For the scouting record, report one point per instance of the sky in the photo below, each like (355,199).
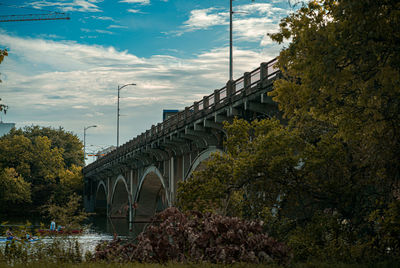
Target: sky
(66,72)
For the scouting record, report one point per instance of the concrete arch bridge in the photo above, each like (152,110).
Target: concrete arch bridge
(140,178)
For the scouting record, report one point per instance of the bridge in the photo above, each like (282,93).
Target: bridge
(140,178)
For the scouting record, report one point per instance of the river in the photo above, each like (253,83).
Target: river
(97,229)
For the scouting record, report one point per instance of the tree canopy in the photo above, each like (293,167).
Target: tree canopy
(327,182)
(33,160)
(68,142)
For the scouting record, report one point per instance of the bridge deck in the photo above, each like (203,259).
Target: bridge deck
(233,92)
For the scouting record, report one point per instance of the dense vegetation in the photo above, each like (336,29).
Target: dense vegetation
(36,164)
(327,182)
(196,237)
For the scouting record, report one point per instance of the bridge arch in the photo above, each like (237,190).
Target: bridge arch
(196,164)
(152,195)
(120,199)
(100,205)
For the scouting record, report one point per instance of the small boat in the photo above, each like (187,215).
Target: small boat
(56,232)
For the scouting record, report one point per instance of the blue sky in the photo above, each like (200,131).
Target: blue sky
(66,73)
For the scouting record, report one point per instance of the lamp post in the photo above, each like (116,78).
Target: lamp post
(84,142)
(231,40)
(119,88)
(230,43)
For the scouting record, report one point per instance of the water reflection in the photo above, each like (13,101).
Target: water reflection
(118,226)
(100,228)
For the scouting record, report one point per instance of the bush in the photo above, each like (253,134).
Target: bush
(196,237)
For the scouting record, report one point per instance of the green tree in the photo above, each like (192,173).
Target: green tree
(341,84)
(35,161)
(342,68)
(41,164)
(331,176)
(69,215)
(72,147)
(13,188)
(259,163)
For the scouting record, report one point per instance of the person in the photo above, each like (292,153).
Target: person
(52,225)
(59,228)
(9,234)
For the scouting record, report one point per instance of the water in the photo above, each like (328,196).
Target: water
(98,229)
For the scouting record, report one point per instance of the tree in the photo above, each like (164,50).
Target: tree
(13,188)
(41,164)
(342,68)
(69,215)
(72,147)
(257,168)
(333,172)
(3,53)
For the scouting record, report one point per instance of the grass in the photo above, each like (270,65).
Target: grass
(387,264)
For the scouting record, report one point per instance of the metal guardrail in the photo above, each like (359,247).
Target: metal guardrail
(249,80)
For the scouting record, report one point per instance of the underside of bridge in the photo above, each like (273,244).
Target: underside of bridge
(101,201)
(120,201)
(151,198)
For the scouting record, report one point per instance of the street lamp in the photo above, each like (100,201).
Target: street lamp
(230,43)
(84,142)
(119,88)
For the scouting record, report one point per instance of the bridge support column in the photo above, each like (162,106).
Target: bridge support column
(131,195)
(108,197)
(171,179)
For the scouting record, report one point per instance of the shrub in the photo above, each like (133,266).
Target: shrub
(196,237)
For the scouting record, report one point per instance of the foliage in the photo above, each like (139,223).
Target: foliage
(69,215)
(58,251)
(196,237)
(70,182)
(341,91)
(328,181)
(40,162)
(259,155)
(13,188)
(342,68)
(3,53)
(385,264)
(68,143)
(303,189)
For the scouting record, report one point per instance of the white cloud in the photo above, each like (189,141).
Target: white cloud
(104,32)
(117,27)
(141,2)
(85,30)
(251,22)
(68,6)
(205,18)
(103,18)
(134,11)
(73,85)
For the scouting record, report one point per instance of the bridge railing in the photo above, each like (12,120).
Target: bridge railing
(197,109)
